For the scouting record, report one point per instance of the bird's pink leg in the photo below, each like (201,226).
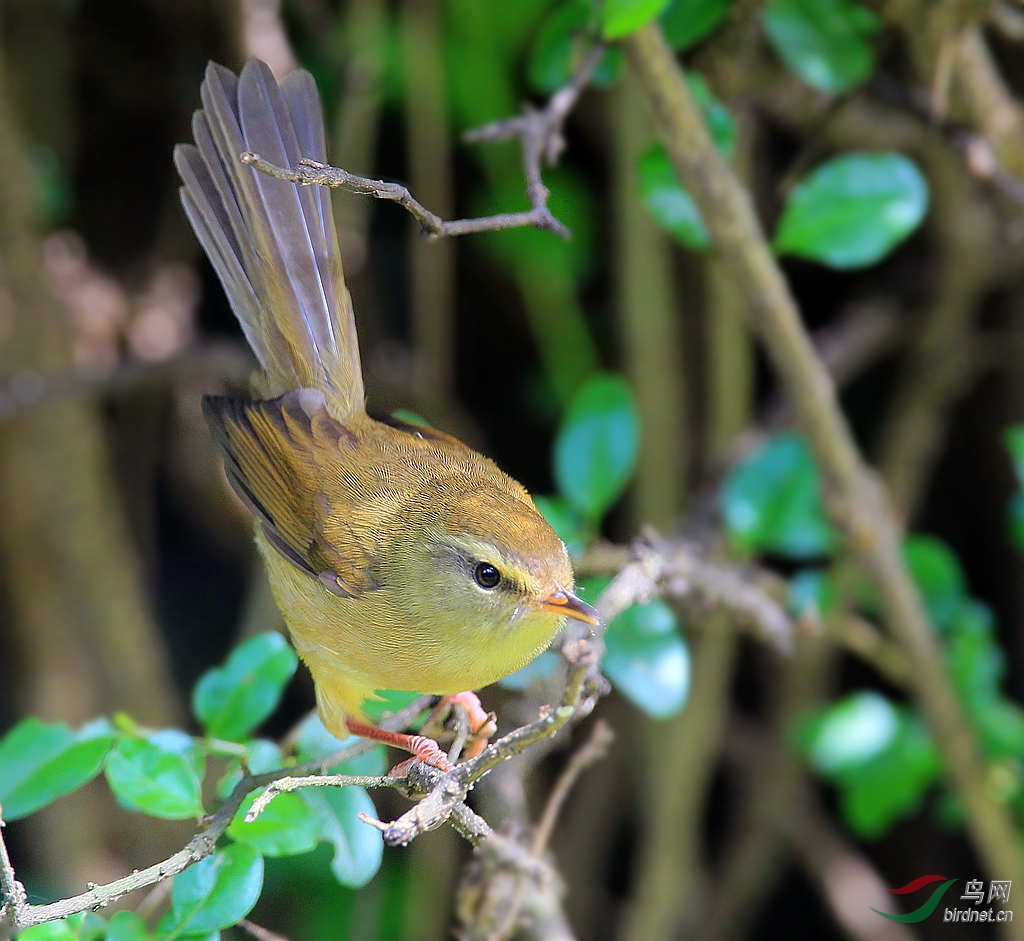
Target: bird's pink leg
(423,748)
(482,724)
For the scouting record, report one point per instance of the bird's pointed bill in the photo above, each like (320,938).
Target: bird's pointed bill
(569,605)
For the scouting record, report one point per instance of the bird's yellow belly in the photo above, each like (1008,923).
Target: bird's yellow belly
(353,647)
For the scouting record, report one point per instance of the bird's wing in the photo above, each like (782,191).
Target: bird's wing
(278,453)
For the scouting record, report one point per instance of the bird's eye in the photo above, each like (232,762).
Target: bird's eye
(486,575)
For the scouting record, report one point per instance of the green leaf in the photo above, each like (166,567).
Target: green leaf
(84,926)
(127,926)
(232,700)
(215,893)
(686,22)
(647,660)
(1015,445)
(812,593)
(1017,520)
(565,521)
(672,206)
(668,202)
(878,755)
(892,785)
(387,701)
(621,17)
(286,827)
(938,576)
(850,732)
(410,417)
(358,848)
(261,755)
(565,37)
(536,670)
(853,210)
(596,446)
(1014,439)
(315,741)
(826,42)
(976,665)
(42,761)
(772,502)
(160,776)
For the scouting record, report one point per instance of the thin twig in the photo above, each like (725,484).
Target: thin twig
(259,932)
(308,172)
(541,131)
(203,844)
(594,749)
(543,142)
(294,782)
(14,896)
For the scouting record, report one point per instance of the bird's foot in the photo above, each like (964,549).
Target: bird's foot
(423,749)
(482,724)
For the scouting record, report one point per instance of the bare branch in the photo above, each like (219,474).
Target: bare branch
(543,142)
(22,915)
(856,501)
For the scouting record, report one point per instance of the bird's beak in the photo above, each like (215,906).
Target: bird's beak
(568,605)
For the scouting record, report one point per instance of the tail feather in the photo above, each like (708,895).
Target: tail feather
(272,243)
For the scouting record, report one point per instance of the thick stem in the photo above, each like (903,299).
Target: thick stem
(856,502)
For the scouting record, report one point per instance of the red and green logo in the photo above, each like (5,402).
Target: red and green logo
(926,908)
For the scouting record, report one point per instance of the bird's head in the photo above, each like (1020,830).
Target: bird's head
(493,571)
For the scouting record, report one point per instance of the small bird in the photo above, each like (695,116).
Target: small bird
(399,557)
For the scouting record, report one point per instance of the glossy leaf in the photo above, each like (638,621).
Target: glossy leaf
(596,447)
(1015,445)
(1014,439)
(232,700)
(387,701)
(358,848)
(127,926)
(215,893)
(686,22)
(316,742)
(160,776)
(850,732)
(812,593)
(562,41)
(668,202)
(892,785)
(671,206)
(772,502)
(286,827)
(261,755)
(977,665)
(84,926)
(621,17)
(877,754)
(938,576)
(1017,520)
(853,210)
(41,761)
(647,659)
(826,42)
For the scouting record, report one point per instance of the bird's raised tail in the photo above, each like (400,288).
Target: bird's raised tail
(273,244)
